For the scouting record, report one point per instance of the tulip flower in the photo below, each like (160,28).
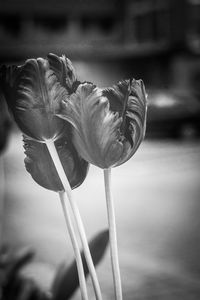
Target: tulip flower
(109,124)
(108,127)
(34,92)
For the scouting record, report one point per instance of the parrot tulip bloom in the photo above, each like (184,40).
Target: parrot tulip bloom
(34,92)
(39,164)
(108,124)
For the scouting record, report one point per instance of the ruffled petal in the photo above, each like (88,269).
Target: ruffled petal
(135,124)
(96,132)
(34,98)
(40,165)
(129,99)
(64,70)
(118,96)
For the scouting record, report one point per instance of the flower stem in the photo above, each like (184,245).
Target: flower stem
(86,250)
(53,152)
(112,235)
(82,234)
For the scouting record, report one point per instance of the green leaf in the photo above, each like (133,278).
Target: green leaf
(66,280)
(40,165)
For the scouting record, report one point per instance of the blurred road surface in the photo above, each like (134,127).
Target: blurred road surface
(157,210)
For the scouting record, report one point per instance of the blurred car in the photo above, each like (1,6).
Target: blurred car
(173,114)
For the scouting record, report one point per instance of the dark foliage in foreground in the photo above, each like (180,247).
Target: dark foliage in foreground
(13,285)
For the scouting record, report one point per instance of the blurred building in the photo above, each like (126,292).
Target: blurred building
(164,33)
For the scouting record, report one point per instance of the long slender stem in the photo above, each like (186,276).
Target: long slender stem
(86,250)
(112,235)
(82,234)
(58,166)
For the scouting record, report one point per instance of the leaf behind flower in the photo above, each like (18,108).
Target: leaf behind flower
(66,280)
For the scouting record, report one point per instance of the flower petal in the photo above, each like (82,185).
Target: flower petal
(129,99)
(64,70)
(34,98)
(96,129)
(39,164)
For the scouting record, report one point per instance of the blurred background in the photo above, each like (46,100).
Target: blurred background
(157,192)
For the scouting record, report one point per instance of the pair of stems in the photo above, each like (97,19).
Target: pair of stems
(112,230)
(75,245)
(66,209)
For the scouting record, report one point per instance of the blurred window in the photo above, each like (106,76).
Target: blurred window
(194,17)
(104,23)
(150,21)
(50,22)
(10,23)
(193,28)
